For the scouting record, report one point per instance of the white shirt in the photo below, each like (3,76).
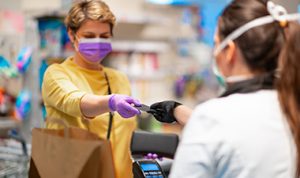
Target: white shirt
(239,136)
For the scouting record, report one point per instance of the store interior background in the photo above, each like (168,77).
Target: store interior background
(164,47)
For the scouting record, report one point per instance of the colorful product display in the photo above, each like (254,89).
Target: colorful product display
(54,38)
(188,84)
(23,105)
(24,59)
(7,69)
(5,103)
(23,101)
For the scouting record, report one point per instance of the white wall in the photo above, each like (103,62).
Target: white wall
(10,4)
(290,5)
(30,5)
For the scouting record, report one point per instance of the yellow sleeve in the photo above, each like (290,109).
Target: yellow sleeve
(59,92)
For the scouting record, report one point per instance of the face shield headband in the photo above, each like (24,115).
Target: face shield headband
(277,13)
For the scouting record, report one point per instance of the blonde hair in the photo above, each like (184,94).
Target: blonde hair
(89,9)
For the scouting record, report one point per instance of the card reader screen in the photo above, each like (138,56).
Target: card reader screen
(149,167)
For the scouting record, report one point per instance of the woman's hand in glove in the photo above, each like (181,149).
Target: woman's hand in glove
(164,111)
(123,105)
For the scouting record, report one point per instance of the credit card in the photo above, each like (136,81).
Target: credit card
(143,107)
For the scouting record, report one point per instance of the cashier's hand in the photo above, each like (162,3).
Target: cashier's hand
(164,111)
(123,104)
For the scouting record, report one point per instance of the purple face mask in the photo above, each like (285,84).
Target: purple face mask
(94,49)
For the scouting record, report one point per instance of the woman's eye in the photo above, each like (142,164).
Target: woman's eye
(105,37)
(89,37)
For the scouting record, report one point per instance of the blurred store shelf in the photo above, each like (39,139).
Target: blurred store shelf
(7,124)
(141,19)
(147,77)
(13,162)
(140,46)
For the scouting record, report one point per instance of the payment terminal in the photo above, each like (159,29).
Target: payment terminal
(147,169)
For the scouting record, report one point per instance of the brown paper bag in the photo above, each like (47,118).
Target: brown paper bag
(70,153)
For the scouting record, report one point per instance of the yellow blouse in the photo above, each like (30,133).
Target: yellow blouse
(63,87)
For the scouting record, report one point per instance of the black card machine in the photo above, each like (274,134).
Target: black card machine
(143,143)
(147,169)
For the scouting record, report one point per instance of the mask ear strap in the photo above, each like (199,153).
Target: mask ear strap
(75,37)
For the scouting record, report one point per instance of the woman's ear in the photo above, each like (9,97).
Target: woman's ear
(230,52)
(71,35)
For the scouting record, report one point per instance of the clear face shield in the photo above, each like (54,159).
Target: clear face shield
(277,13)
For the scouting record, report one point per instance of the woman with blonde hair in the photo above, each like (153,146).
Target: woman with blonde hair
(83,92)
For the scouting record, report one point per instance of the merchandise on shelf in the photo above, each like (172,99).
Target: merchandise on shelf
(7,69)
(24,59)
(4,63)
(54,39)
(6,103)
(23,105)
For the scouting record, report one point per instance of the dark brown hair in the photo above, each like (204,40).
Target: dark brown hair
(288,84)
(262,47)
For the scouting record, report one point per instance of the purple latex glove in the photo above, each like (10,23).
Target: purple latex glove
(123,105)
(153,156)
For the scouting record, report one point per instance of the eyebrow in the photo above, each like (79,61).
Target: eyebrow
(92,33)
